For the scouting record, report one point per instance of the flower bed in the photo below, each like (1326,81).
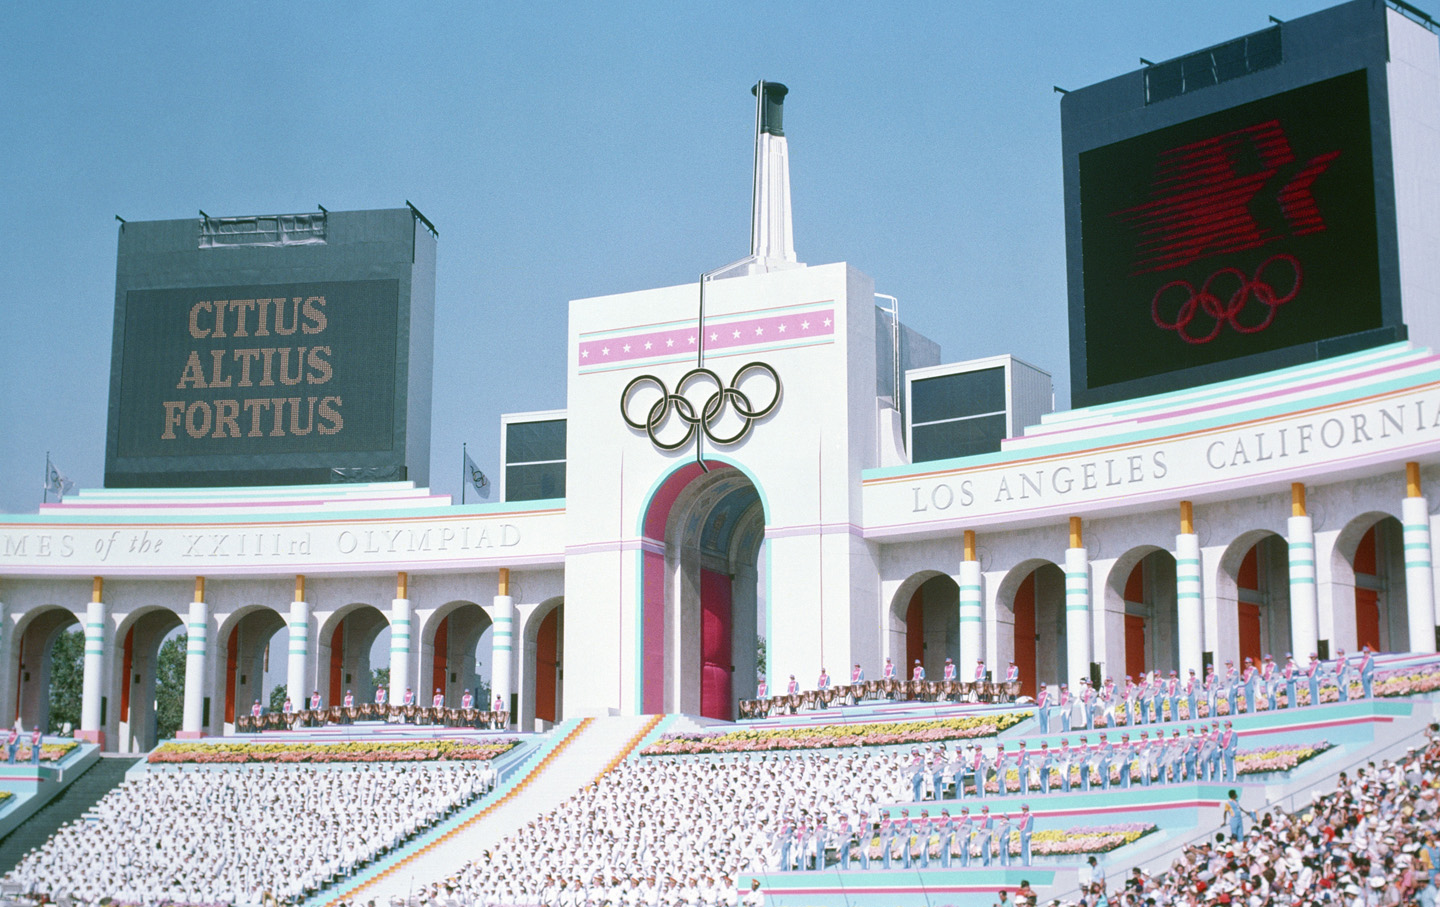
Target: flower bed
(835,735)
(49,752)
(1281,758)
(462,750)
(1083,839)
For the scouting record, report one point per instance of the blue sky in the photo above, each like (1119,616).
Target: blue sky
(563,151)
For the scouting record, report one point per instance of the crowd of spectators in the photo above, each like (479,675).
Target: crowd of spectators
(1371,841)
(245,834)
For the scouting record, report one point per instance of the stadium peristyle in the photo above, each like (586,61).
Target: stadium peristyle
(783,607)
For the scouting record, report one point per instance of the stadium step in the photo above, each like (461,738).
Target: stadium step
(583,751)
(70,804)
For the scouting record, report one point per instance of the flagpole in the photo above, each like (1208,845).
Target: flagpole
(463,455)
(45,488)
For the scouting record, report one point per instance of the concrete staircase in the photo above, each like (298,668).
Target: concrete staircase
(585,751)
(70,804)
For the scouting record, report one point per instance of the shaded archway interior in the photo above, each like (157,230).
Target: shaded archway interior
(702,593)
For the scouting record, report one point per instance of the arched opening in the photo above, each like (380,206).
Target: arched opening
(244,639)
(1373,547)
(703,591)
(542,676)
(1034,595)
(139,672)
(48,638)
(1258,564)
(343,652)
(932,626)
(449,656)
(1144,582)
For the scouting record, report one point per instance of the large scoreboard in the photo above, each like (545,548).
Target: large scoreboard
(1234,211)
(293,349)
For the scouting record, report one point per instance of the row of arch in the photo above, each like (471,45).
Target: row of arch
(1142,591)
(455,640)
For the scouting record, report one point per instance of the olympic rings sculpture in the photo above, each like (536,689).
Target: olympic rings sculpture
(1206,300)
(711,410)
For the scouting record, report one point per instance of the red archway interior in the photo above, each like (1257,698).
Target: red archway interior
(546,666)
(1249,612)
(1025,636)
(1367,600)
(337,664)
(231,651)
(442,650)
(914,634)
(1134,624)
(715,668)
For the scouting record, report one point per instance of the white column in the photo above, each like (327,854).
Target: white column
(502,660)
(94,682)
(297,683)
(400,640)
(1189,604)
(197,627)
(1304,602)
(1419,574)
(972,618)
(1077,607)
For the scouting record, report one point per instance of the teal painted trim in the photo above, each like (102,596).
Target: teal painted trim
(200,652)
(398,636)
(95,625)
(1302,580)
(1300,544)
(501,648)
(971,619)
(1187,561)
(89,651)
(300,624)
(975,589)
(1084,607)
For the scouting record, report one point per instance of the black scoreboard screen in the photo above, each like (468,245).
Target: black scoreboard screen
(1237,233)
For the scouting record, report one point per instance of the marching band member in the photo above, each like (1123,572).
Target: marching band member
(438,700)
(467,701)
(1367,672)
(36,740)
(1066,705)
(1269,681)
(496,714)
(1290,672)
(1042,708)
(918,672)
(857,681)
(1342,675)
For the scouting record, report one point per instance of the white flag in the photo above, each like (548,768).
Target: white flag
(477,478)
(56,483)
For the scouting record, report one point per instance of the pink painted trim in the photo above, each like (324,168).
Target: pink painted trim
(718,337)
(785,532)
(189,735)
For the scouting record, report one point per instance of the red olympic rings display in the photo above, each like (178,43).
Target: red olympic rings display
(1206,300)
(710,411)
